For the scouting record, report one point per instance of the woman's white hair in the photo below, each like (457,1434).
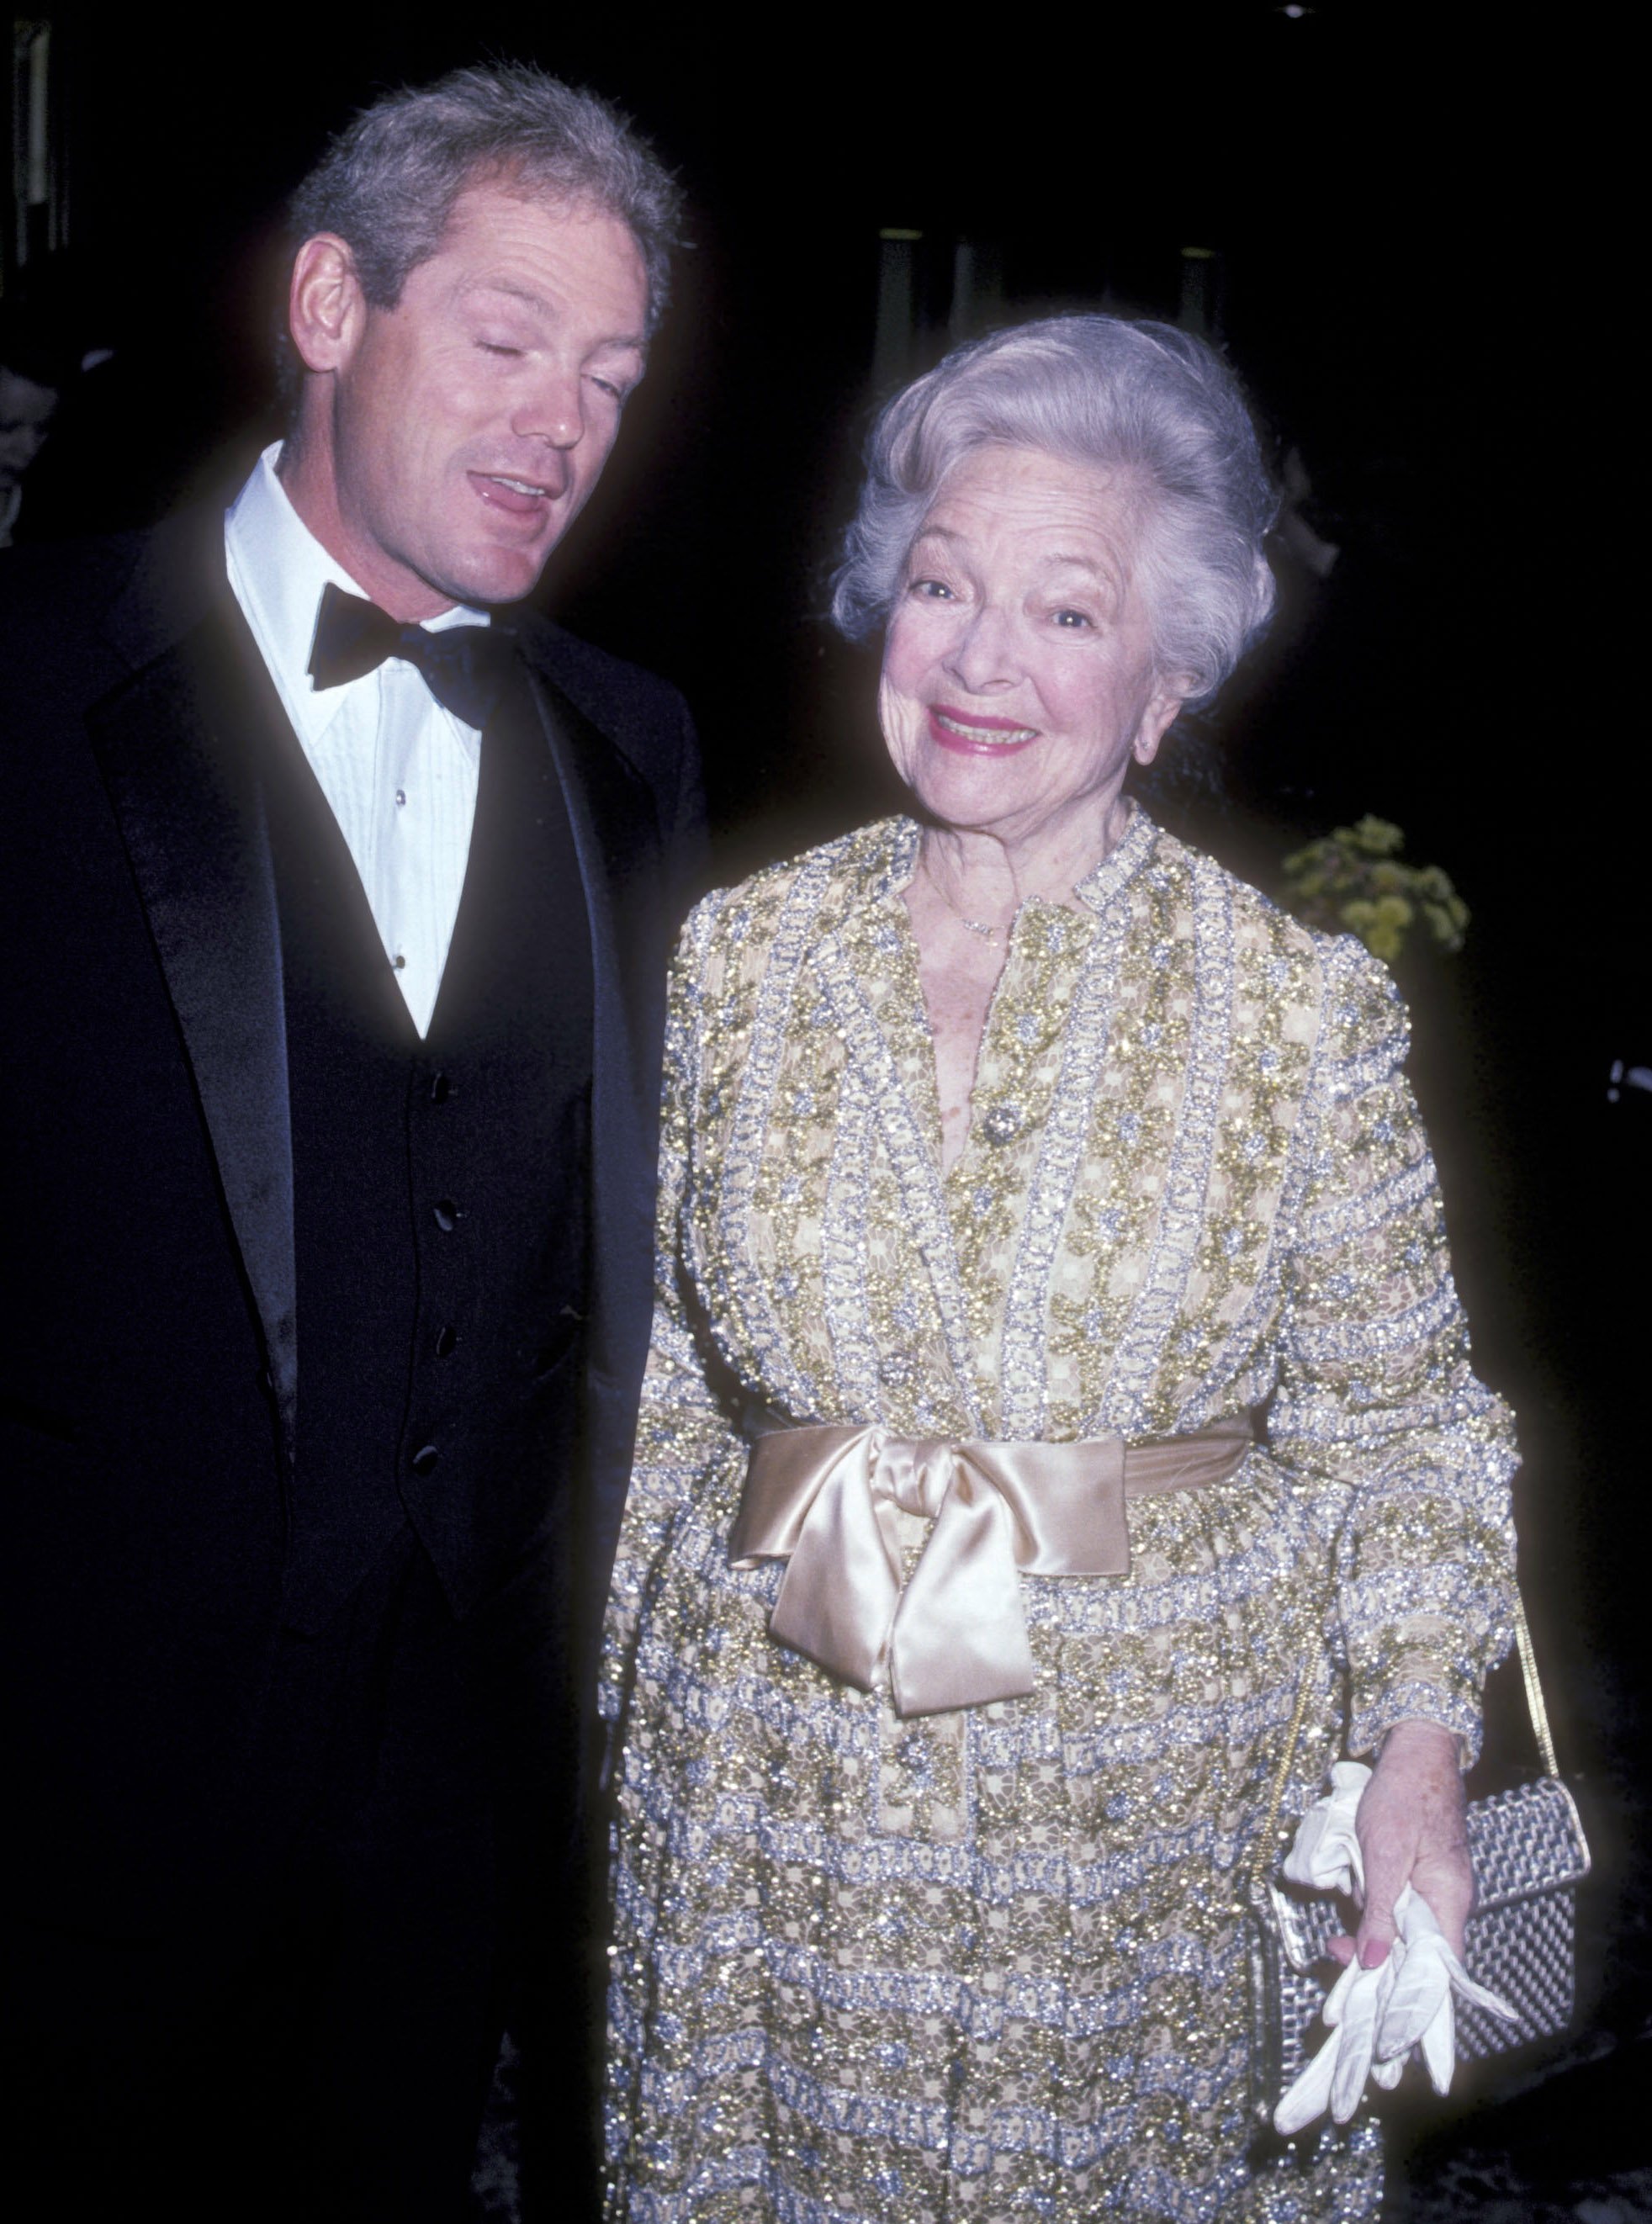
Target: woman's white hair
(1143,400)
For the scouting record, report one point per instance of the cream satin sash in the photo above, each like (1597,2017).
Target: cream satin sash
(824,1499)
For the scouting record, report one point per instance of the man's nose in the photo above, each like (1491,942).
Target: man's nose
(983,655)
(554,411)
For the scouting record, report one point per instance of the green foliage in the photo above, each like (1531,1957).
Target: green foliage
(1354,881)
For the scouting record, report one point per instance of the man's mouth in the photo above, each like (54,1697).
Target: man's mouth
(973,734)
(514,497)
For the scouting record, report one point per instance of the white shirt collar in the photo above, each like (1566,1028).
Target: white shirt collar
(278,568)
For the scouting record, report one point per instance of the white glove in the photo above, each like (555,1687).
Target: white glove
(1374,2016)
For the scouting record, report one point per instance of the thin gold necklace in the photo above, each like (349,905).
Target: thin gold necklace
(975,925)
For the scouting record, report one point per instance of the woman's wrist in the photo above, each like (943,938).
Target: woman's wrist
(1414,1735)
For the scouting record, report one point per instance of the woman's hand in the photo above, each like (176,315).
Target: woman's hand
(1411,1828)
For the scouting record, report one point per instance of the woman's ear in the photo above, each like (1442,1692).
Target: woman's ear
(326,307)
(1158,718)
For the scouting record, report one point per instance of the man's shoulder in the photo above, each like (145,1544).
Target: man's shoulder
(641,718)
(632,706)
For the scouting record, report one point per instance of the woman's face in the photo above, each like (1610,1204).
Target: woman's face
(1018,676)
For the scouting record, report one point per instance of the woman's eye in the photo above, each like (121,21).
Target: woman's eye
(935,590)
(497,347)
(1073,620)
(607,386)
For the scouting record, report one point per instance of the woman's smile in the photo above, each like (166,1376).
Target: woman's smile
(1019,678)
(971,733)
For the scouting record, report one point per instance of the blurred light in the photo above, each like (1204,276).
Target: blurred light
(1199,255)
(1295,11)
(894,231)
(1627,1076)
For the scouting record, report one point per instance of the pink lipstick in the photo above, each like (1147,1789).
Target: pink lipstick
(973,734)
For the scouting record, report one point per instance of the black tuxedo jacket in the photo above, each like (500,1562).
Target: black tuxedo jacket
(148,1367)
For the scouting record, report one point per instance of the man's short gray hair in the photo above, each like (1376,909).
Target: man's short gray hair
(1144,400)
(387,183)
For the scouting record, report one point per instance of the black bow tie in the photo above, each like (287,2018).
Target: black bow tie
(465,666)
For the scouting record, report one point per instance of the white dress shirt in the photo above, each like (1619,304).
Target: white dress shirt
(398,769)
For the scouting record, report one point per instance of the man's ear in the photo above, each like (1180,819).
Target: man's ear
(326,309)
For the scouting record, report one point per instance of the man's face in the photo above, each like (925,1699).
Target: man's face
(25,412)
(471,421)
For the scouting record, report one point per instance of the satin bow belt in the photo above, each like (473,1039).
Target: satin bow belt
(825,1500)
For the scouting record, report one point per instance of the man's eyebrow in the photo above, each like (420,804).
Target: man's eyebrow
(544,308)
(507,286)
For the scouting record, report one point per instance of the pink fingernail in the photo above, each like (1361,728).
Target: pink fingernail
(1373,1953)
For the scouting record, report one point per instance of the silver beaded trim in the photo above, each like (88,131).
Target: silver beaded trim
(1417,1323)
(911,1159)
(1157,1307)
(843,1252)
(1054,1180)
(1355,1216)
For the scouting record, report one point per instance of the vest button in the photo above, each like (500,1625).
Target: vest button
(446,1214)
(440,1088)
(446,1337)
(426,1460)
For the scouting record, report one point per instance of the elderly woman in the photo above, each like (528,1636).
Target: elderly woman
(1017,1160)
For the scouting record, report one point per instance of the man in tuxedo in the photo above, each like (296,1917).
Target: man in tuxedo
(337,888)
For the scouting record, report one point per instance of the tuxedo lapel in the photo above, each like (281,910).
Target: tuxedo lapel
(180,778)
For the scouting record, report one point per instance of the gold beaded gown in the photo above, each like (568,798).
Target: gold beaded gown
(989,1964)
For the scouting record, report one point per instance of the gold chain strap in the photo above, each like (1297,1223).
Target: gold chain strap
(1534,1706)
(1267,1842)
(1266,1846)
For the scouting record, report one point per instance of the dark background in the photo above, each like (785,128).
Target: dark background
(1417,266)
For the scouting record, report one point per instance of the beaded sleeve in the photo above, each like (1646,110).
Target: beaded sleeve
(1377,1403)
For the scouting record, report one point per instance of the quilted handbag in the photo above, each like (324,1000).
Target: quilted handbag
(1529,1855)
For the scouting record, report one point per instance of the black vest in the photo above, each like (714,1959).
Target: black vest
(440,1188)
